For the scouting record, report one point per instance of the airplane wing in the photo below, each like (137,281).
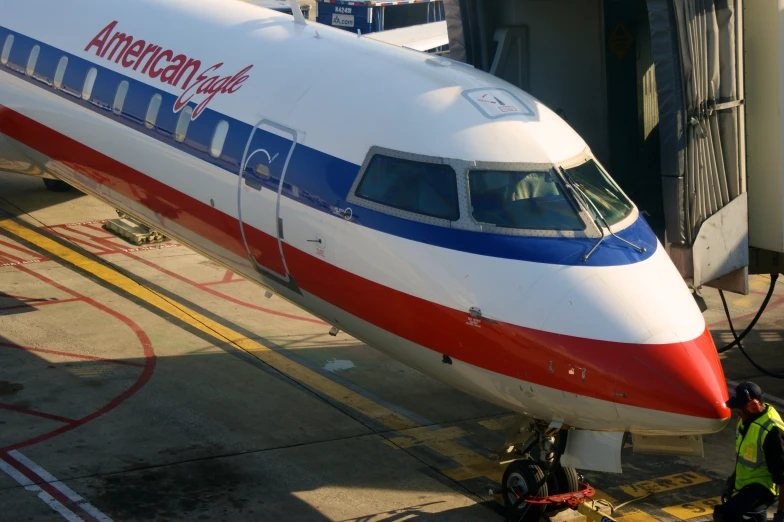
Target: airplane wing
(418,37)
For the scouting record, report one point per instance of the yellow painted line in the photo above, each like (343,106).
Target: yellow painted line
(473,464)
(668,483)
(417,436)
(694,509)
(497,424)
(637,516)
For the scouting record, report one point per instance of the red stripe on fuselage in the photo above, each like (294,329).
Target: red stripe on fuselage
(574,365)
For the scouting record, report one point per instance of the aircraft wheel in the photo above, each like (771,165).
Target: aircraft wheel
(563,480)
(55,185)
(519,476)
(568,480)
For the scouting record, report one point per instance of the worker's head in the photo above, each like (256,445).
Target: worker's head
(747,400)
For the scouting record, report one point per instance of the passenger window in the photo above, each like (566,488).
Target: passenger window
(423,188)
(32,59)
(527,200)
(89,82)
(219,138)
(152,111)
(60,72)
(119,97)
(9,42)
(182,123)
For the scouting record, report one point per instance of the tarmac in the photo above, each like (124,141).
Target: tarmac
(148,383)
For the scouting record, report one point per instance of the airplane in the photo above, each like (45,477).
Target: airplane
(429,209)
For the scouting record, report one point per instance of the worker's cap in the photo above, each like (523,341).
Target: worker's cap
(744,393)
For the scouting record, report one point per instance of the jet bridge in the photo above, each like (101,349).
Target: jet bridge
(658,90)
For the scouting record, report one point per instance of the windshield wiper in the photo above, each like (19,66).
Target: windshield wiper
(577,188)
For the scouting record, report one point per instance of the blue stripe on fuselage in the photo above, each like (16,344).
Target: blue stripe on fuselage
(322,181)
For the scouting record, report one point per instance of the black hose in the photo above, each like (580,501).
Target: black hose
(739,338)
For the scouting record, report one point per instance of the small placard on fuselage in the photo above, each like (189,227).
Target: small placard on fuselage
(497,103)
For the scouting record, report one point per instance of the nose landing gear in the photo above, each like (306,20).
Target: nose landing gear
(534,485)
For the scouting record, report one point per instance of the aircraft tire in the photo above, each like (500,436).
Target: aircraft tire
(523,474)
(55,185)
(568,480)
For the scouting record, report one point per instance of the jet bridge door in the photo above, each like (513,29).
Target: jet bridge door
(567,53)
(261,180)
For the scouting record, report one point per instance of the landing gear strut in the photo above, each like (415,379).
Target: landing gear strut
(537,483)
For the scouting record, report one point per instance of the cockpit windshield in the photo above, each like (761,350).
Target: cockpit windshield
(596,185)
(520,199)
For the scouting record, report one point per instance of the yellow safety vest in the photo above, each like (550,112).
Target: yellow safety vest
(750,466)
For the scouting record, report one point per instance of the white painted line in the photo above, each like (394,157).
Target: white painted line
(67,514)
(17,263)
(776,401)
(62,488)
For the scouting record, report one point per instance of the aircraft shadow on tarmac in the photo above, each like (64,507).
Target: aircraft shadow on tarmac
(206,437)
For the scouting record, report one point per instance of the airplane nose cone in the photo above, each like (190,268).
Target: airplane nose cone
(681,382)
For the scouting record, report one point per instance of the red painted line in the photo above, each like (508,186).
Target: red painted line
(108,235)
(209,290)
(28,262)
(71,354)
(44,485)
(37,304)
(21,249)
(36,413)
(215,283)
(144,377)
(6,255)
(227,276)
(101,249)
(77,224)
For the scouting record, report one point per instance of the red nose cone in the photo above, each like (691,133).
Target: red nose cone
(682,378)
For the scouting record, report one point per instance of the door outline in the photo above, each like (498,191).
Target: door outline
(294,136)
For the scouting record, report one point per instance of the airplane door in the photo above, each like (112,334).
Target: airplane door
(263,170)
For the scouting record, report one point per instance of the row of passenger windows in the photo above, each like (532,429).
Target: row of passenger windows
(183,121)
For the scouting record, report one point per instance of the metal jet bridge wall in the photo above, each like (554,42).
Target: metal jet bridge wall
(689,85)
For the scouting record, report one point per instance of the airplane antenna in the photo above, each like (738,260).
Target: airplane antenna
(299,18)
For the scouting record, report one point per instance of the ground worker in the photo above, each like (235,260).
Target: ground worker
(759,464)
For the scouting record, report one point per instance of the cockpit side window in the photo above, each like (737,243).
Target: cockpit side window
(428,189)
(522,200)
(601,190)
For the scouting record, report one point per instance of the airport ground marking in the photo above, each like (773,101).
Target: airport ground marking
(689,510)
(668,483)
(65,501)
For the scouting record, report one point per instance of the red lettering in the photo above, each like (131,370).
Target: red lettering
(207,85)
(151,59)
(100,39)
(151,48)
(189,93)
(173,70)
(239,79)
(195,65)
(118,39)
(220,85)
(133,52)
(153,73)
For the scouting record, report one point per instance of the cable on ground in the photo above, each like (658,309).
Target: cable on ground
(738,338)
